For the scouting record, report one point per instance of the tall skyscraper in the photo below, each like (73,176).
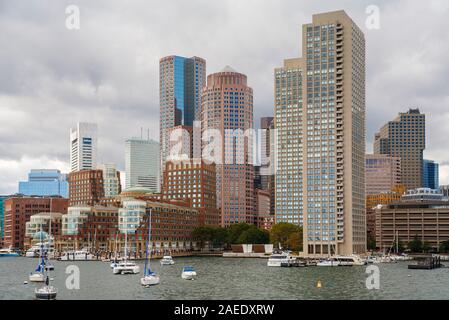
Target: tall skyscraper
(180,83)
(227,108)
(382,173)
(405,137)
(45,182)
(320,122)
(431,174)
(142,164)
(83,147)
(111,180)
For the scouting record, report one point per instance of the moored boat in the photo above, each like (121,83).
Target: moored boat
(188,273)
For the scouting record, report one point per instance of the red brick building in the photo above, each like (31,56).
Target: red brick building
(18,211)
(195,181)
(86,187)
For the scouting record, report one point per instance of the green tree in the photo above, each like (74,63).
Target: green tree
(426,247)
(294,241)
(371,243)
(253,235)
(203,234)
(219,236)
(415,245)
(444,247)
(235,231)
(281,232)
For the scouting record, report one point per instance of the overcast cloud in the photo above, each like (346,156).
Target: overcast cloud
(107,72)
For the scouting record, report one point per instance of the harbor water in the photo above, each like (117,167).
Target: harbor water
(228,278)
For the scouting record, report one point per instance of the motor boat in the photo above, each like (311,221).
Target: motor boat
(352,260)
(329,262)
(188,273)
(77,255)
(126,267)
(8,253)
(167,260)
(282,259)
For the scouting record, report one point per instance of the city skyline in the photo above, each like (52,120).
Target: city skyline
(97,92)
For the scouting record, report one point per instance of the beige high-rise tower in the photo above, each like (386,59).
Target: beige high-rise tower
(320,117)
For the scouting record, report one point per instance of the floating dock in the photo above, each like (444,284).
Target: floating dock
(426,263)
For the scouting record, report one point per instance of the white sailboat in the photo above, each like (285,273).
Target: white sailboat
(38,274)
(150,278)
(125,267)
(114,262)
(47,292)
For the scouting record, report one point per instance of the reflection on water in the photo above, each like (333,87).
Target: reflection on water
(229,278)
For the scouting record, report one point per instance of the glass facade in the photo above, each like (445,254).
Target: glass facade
(431,175)
(181,80)
(2,216)
(45,183)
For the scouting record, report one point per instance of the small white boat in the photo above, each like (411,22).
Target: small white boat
(150,279)
(37,277)
(8,253)
(188,273)
(32,252)
(77,255)
(167,261)
(282,259)
(47,292)
(330,262)
(126,267)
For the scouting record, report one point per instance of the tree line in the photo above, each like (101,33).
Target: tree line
(288,236)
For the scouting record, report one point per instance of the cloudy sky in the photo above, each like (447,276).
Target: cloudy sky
(107,71)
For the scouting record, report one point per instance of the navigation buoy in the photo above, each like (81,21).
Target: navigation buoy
(25,282)
(318,285)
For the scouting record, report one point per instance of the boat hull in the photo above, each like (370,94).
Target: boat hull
(188,275)
(46,293)
(9,255)
(37,277)
(126,270)
(149,281)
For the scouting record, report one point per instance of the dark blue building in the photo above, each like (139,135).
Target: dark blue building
(431,175)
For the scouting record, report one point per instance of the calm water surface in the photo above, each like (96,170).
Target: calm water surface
(229,278)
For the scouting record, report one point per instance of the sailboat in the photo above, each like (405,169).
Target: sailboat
(38,274)
(47,292)
(150,278)
(125,267)
(114,263)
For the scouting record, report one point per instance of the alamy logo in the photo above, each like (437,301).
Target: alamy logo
(373,280)
(73,280)
(72,22)
(373,19)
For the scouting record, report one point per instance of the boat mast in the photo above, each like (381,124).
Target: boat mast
(149,239)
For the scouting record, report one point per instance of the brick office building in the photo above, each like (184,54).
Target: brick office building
(18,211)
(196,181)
(86,187)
